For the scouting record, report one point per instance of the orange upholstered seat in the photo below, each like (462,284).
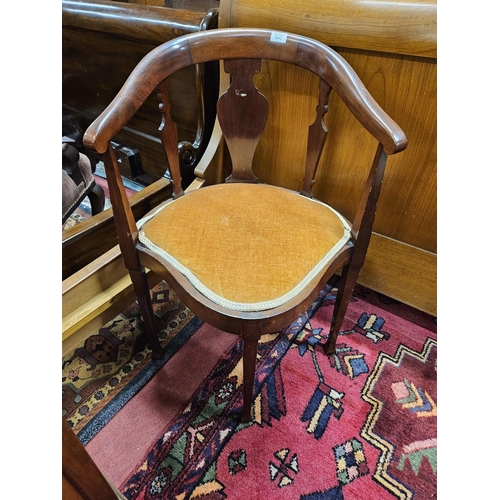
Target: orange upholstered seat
(272,240)
(246,256)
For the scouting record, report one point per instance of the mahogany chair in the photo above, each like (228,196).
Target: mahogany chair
(231,251)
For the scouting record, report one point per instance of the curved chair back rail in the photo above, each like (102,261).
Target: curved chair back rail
(249,44)
(392,46)
(245,257)
(102,42)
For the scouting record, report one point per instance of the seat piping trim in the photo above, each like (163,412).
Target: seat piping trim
(247,306)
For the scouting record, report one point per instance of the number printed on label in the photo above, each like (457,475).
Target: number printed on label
(278,37)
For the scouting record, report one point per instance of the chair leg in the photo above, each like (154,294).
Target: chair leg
(249,362)
(344,293)
(141,288)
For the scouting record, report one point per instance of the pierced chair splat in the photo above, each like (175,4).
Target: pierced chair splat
(230,251)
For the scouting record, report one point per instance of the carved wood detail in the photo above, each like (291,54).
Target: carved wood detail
(242,112)
(169,138)
(316,139)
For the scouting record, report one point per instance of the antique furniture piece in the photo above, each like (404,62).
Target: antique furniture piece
(392,46)
(246,257)
(102,41)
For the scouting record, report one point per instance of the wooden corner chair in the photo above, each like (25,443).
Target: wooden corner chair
(246,257)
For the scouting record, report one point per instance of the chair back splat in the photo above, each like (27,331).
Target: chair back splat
(246,257)
(316,139)
(169,138)
(242,112)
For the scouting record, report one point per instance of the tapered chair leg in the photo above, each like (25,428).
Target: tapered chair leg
(249,362)
(344,293)
(141,288)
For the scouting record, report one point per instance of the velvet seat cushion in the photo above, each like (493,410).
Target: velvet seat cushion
(246,247)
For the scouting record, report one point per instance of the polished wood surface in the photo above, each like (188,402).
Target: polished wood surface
(102,42)
(392,48)
(403,270)
(94,295)
(81,478)
(401,259)
(152,24)
(242,116)
(170,138)
(317,135)
(242,136)
(407,28)
(201,47)
(88,240)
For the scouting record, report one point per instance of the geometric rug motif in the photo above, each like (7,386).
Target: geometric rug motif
(320,423)
(270,403)
(237,461)
(349,361)
(351,461)
(178,462)
(97,371)
(283,467)
(369,325)
(201,430)
(402,392)
(326,401)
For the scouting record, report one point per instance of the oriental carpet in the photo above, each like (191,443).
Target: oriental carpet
(360,424)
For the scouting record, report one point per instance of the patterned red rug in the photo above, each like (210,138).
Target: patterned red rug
(357,425)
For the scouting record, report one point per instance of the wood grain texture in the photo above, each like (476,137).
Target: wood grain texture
(85,284)
(242,136)
(392,47)
(82,479)
(92,77)
(383,26)
(129,21)
(316,138)
(408,205)
(396,266)
(242,113)
(201,47)
(170,137)
(102,41)
(95,294)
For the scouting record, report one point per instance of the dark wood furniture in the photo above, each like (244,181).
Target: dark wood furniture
(81,478)
(392,46)
(95,284)
(246,257)
(102,41)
